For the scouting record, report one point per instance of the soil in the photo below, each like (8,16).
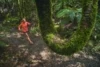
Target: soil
(23,54)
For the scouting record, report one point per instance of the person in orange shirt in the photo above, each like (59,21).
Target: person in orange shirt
(23,27)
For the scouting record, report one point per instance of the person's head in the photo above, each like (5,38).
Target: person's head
(24,19)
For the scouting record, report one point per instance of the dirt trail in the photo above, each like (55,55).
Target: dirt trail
(24,54)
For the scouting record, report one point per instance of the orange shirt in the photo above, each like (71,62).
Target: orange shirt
(24,26)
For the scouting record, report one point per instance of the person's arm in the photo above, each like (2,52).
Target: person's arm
(28,23)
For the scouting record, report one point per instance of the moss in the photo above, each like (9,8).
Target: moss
(79,39)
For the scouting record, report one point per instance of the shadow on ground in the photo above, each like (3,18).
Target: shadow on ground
(22,54)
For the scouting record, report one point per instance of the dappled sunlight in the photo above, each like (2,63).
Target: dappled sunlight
(55,39)
(39,55)
(56,33)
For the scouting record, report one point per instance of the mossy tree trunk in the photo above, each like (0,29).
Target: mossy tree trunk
(78,39)
(45,18)
(24,9)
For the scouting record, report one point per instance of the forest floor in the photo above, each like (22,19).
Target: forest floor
(22,54)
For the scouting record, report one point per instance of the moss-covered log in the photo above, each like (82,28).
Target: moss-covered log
(78,39)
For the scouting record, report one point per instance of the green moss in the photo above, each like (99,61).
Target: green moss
(79,39)
(3,44)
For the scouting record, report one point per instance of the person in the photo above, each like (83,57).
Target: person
(23,27)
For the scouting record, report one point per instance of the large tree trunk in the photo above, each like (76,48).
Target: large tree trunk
(78,39)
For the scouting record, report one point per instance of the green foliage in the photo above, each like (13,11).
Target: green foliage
(13,10)
(3,44)
(77,40)
(34,30)
(95,37)
(61,4)
(69,14)
(97,48)
(57,6)
(25,8)
(11,21)
(96,34)
(74,3)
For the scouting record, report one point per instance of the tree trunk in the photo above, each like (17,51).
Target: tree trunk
(78,39)
(44,12)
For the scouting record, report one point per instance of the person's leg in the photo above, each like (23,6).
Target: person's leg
(28,38)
